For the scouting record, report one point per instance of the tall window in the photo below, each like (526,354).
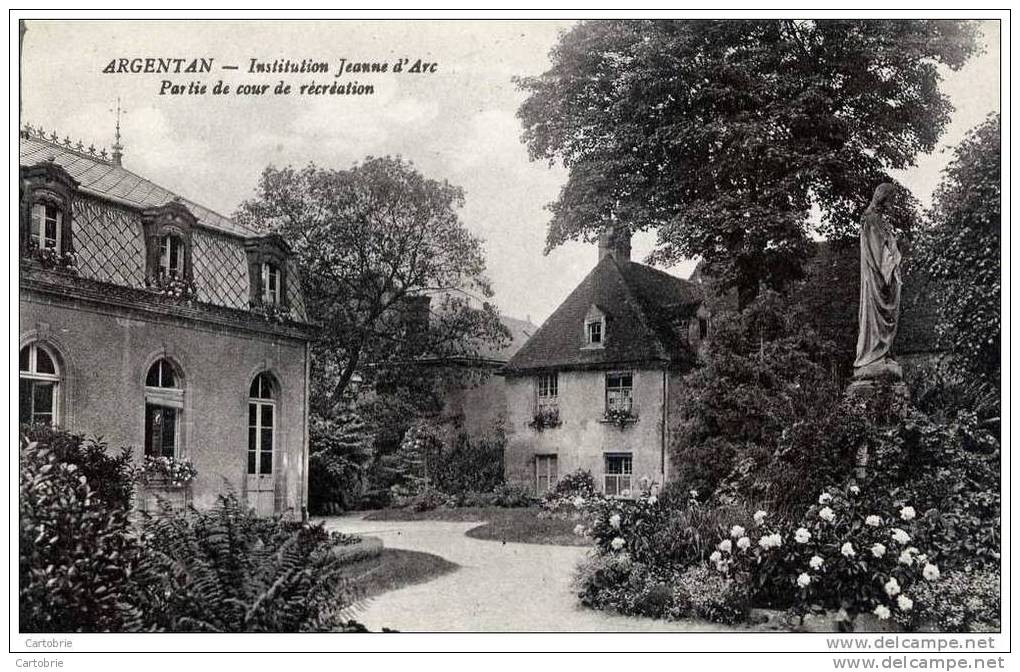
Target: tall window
(548,389)
(171,256)
(270,284)
(47,220)
(619,388)
(164,403)
(261,427)
(546,473)
(39,378)
(619,467)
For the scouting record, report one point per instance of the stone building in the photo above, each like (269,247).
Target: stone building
(158,324)
(591,389)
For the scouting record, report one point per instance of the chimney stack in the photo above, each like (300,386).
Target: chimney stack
(614,241)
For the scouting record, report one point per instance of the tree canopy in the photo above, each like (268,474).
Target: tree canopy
(961,250)
(722,135)
(380,248)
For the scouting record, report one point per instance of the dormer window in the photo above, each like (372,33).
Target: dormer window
(171,256)
(271,286)
(47,220)
(594,328)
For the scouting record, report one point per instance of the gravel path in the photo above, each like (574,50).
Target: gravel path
(499,587)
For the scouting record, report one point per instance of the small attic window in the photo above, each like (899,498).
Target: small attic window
(594,328)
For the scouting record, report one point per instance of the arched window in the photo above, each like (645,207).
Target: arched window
(164,403)
(261,426)
(172,253)
(39,378)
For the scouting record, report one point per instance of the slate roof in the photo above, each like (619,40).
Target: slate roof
(101,177)
(520,332)
(639,302)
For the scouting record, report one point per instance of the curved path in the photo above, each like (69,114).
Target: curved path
(499,587)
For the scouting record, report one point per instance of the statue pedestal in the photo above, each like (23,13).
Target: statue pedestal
(880,389)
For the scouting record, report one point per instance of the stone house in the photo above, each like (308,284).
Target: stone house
(591,388)
(156,323)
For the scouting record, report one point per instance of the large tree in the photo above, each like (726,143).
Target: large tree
(961,249)
(723,134)
(371,243)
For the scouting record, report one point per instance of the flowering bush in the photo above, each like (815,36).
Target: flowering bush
(701,593)
(840,555)
(167,471)
(49,257)
(959,601)
(172,286)
(573,492)
(511,495)
(620,417)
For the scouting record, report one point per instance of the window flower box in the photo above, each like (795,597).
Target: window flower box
(272,311)
(172,286)
(166,473)
(51,258)
(619,417)
(546,418)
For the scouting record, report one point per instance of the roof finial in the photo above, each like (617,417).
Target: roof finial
(118,148)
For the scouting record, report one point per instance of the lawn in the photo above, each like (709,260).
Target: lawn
(395,568)
(499,524)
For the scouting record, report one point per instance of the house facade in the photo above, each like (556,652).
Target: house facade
(160,325)
(591,388)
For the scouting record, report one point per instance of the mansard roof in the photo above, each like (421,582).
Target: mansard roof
(101,177)
(640,303)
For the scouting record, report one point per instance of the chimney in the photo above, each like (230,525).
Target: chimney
(614,241)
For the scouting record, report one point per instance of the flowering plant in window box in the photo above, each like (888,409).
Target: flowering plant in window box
(546,418)
(169,472)
(172,286)
(50,257)
(619,417)
(272,312)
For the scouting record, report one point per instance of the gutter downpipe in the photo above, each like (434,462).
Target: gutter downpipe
(305,442)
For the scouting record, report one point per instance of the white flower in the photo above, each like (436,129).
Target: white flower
(802,536)
(725,546)
(625,493)
(715,557)
(873,521)
(904,603)
(694,494)
(900,536)
(804,580)
(578,502)
(773,540)
(931,572)
(614,521)
(736,531)
(759,516)
(827,514)
(854,490)
(908,513)
(653,499)
(878,550)
(618,543)
(579,530)
(824,498)
(892,587)
(841,615)
(743,543)
(816,562)
(906,558)
(882,612)
(848,550)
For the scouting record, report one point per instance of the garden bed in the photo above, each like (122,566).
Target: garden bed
(522,525)
(394,568)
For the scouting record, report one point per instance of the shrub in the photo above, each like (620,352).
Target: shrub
(226,570)
(702,593)
(110,477)
(426,498)
(576,483)
(960,601)
(512,495)
(358,548)
(76,553)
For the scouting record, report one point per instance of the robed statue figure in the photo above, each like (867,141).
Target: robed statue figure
(880,290)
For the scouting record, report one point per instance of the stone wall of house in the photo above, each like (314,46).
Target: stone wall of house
(582,440)
(105,353)
(476,409)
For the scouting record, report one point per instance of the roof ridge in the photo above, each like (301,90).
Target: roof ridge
(30,132)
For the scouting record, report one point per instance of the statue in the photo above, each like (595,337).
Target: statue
(880,292)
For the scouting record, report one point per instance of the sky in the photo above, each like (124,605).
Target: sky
(457,123)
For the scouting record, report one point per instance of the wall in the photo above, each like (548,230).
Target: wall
(581,440)
(106,352)
(477,408)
